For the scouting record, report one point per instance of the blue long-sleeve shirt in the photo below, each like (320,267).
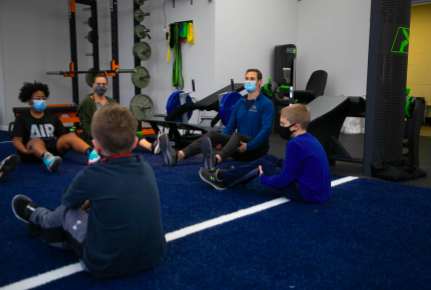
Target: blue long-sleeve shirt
(255,121)
(306,162)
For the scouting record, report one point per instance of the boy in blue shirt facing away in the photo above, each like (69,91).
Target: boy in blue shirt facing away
(122,232)
(303,176)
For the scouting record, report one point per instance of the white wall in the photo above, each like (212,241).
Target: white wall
(333,35)
(230,36)
(247,32)
(32,47)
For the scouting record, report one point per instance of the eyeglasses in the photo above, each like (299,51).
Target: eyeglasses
(39,98)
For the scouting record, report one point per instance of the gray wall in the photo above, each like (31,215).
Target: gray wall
(247,32)
(333,35)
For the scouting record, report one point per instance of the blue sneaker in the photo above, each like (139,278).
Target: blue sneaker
(93,157)
(52,162)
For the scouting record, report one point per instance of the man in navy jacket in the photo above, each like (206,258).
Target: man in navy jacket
(246,136)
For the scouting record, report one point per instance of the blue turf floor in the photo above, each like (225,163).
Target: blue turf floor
(370,234)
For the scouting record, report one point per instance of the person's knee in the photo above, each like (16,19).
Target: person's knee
(236,134)
(34,141)
(236,137)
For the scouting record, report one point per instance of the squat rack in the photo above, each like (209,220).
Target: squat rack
(73,67)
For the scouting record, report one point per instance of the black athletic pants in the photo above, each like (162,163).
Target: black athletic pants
(230,143)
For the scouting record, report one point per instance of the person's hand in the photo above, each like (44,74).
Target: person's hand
(260,170)
(242,148)
(218,147)
(86,205)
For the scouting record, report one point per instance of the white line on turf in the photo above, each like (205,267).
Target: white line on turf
(6,142)
(224,219)
(65,271)
(45,278)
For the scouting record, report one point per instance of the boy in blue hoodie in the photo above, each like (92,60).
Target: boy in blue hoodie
(246,136)
(303,176)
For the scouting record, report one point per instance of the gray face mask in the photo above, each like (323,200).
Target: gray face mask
(100,90)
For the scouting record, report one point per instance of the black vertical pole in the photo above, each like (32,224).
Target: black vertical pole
(136,40)
(386,81)
(73,50)
(114,41)
(137,61)
(95,29)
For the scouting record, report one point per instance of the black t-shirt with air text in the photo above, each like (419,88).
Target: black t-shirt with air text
(46,128)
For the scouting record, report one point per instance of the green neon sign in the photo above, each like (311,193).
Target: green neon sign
(401,40)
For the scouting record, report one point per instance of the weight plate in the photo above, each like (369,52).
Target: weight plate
(142,50)
(140,31)
(141,77)
(90,36)
(139,15)
(89,21)
(142,107)
(174,102)
(89,77)
(226,105)
(139,2)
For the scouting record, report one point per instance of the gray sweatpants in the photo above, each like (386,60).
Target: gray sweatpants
(63,228)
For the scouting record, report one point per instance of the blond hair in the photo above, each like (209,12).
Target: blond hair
(114,128)
(297,113)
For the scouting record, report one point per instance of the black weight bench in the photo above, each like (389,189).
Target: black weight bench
(328,115)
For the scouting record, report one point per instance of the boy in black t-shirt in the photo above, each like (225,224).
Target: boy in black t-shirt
(38,134)
(122,233)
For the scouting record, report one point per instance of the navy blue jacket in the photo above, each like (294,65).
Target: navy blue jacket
(124,232)
(306,162)
(255,121)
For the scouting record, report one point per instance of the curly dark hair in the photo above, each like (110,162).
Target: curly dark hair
(29,88)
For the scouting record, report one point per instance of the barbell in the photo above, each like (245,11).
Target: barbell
(140,75)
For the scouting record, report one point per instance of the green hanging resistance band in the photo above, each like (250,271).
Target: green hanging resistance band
(177,76)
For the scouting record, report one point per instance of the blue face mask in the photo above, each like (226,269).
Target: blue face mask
(39,105)
(250,86)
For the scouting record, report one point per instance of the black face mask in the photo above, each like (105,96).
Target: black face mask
(100,90)
(285,132)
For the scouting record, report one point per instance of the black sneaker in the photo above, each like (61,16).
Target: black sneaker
(210,177)
(23,207)
(9,165)
(210,161)
(169,153)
